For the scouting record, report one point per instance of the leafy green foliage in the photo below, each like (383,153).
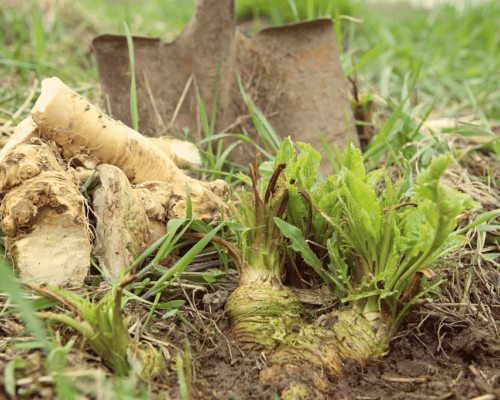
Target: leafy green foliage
(103,326)
(299,244)
(378,236)
(56,362)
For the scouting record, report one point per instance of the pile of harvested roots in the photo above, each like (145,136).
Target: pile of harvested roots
(45,213)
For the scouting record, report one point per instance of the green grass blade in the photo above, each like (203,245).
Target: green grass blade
(328,152)
(223,156)
(294,10)
(186,260)
(379,143)
(260,119)
(478,221)
(189,204)
(214,107)
(150,250)
(206,129)
(426,116)
(157,298)
(348,148)
(338,157)
(182,379)
(482,129)
(372,53)
(310,9)
(88,182)
(10,286)
(172,226)
(133,92)
(338,32)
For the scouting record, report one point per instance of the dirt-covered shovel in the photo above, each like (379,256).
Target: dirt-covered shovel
(291,72)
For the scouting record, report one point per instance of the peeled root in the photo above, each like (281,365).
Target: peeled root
(46,226)
(22,134)
(92,137)
(184,155)
(130,219)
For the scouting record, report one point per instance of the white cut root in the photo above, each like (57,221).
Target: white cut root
(43,212)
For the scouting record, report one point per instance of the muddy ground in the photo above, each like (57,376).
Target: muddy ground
(456,364)
(465,366)
(427,360)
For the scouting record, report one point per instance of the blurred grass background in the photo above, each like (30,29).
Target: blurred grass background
(458,49)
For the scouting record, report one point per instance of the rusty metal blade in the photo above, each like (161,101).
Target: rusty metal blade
(291,72)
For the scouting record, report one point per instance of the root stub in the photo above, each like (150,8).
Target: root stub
(262,314)
(25,156)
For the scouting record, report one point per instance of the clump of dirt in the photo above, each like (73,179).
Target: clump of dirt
(478,342)
(228,371)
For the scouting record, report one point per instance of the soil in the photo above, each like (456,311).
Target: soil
(435,355)
(453,364)
(441,351)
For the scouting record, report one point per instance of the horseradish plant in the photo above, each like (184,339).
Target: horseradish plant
(381,240)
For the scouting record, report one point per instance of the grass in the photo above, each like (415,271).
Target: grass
(459,53)
(409,66)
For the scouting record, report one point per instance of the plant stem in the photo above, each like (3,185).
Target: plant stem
(385,243)
(187,323)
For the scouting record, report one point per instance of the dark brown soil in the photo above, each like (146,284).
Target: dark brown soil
(457,364)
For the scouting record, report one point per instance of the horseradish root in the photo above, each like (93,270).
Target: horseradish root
(93,138)
(43,212)
(46,227)
(184,154)
(24,157)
